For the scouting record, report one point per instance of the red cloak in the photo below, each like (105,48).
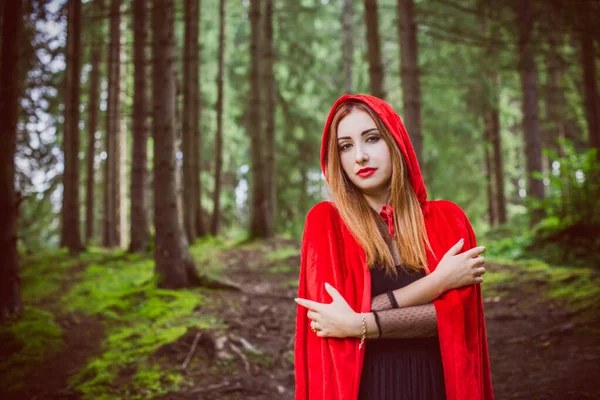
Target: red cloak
(330,368)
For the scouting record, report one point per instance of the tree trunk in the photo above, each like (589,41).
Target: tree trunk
(491,117)
(189,114)
(93,111)
(348,49)
(373,49)
(173,263)
(214,228)
(531,123)
(258,228)
(10,289)
(197,110)
(555,99)
(588,61)
(70,209)
(140,233)
(111,177)
(121,169)
(409,74)
(268,83)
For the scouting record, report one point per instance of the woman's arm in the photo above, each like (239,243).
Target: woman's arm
(453,271)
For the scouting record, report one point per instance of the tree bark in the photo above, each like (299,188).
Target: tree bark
(268,83)
(173,263)
(531,123)
(491,116)
(93,111)
(258,227)
(219,135)
(10,288)
(111,177)
(71,221)
(373,49)
(348,49)
(588,61)
(555,99)
(140,233)
(189,114)
(409,74)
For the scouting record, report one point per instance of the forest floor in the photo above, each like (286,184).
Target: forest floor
(85,338)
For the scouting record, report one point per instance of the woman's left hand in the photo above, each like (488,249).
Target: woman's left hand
(336,319)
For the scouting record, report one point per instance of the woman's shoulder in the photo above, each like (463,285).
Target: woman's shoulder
(321,210)
(447,207)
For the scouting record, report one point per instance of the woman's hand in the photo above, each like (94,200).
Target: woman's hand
(458,270)
(336,319)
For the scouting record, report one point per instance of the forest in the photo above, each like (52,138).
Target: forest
(159,159)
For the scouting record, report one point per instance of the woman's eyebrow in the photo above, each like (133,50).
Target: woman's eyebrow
(362,134)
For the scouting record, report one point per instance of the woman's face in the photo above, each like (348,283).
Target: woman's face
(364,155)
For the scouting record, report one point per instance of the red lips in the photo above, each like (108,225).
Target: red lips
(364,172)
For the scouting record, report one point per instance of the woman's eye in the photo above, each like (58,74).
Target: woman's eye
(375,139)
(345,147)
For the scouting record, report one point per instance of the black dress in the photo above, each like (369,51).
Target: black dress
(401,369)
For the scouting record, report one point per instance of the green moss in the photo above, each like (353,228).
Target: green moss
(37,336)
(283,254)
(577,287)
(140,318)
(280,269)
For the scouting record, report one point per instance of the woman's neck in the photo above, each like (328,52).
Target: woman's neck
(377,201)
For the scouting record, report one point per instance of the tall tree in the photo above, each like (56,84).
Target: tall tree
(10,290)
(531,123)
(491,116)
(258,228)
(189,115)
(214,228)
(111,177)
(71,236)
(93,111)
(588,61)
(174,264)
(140,233)
(409,74)
(197,109)
(268,83)
(348,50)
(373,49)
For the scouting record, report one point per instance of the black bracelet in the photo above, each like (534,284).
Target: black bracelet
(392,298)
(377,322)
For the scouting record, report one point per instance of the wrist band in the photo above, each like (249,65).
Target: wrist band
(392,299)
(364,331)
(377,322)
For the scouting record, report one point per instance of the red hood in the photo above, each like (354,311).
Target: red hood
(394,124)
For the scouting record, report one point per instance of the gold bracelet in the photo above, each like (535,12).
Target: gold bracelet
(363,336)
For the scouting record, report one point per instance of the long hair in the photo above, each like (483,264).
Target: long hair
(409,225)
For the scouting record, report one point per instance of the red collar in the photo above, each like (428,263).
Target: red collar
(387,213)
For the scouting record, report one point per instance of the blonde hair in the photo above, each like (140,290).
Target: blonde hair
(409,226)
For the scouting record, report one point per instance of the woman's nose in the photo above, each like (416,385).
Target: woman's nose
(361,156)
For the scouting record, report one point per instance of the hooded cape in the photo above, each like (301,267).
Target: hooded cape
(330,368)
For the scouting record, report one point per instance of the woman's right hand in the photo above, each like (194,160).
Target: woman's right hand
(458,270)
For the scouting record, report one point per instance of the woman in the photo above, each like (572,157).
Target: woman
(389,259)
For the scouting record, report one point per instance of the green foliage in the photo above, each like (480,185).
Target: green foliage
(37,336)
(572,196)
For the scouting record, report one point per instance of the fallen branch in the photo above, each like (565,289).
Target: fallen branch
(192,351)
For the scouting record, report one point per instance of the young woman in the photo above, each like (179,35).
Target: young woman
(388,308)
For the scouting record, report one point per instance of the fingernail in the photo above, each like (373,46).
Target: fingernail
(296,300)
(462,240)
(327,284)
